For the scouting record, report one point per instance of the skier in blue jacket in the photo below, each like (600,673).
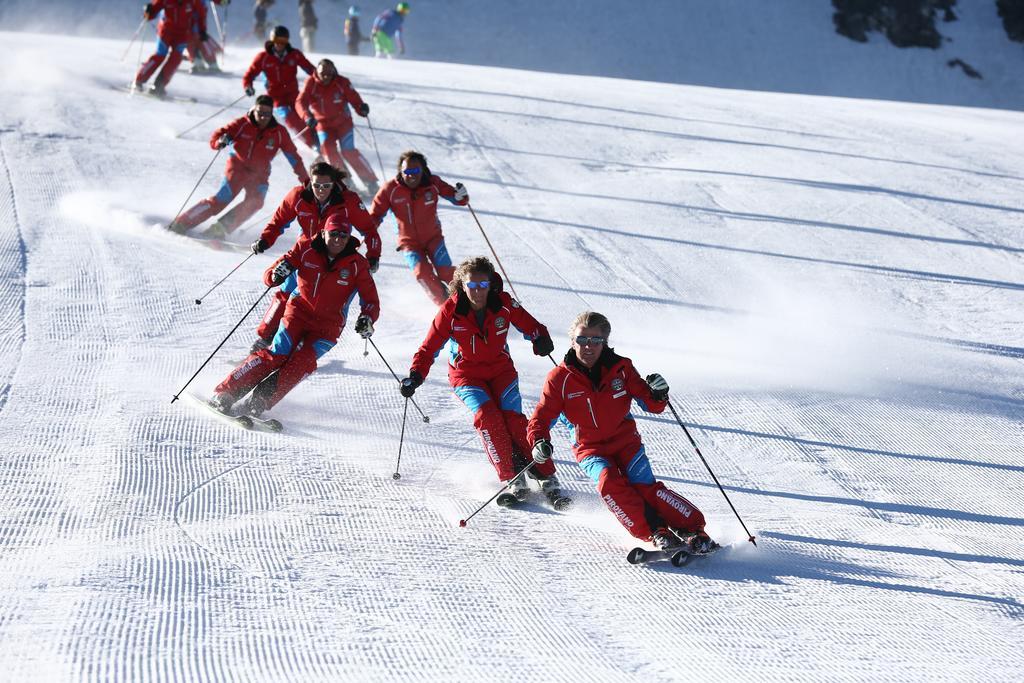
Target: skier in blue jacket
(386,32)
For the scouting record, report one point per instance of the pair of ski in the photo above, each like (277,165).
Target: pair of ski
(556,499)
(249,422)
(677,556)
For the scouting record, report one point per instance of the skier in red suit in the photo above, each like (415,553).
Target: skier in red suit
(310,205)
(330,272)
(254,140)
(202,52)
(279,62)
(412,196)
(478,319)
(324,104)
(593,388)
(173,33)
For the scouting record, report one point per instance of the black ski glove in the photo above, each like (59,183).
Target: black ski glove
(658,385)
(411,383)
(147,11)
(542,451)
(374,265)
(311,122)
(364,326)
(259,246)
(250,91)
(543,345)
(282,271)
(364,109)
(223,142)
(203,37)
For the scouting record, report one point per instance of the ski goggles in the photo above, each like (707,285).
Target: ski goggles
(590,341)
(478,285)
(414,171)
(321,186)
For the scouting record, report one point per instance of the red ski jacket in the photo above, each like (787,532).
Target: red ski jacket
(253,148)
(326,285)
(281,73)
(175,25)
(595,402)
(328,102)
(300,205)
(476,346)
(415,210)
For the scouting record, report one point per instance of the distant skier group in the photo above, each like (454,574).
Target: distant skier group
(591,391)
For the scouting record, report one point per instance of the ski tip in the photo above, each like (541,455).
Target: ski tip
(680,558)
(636,556)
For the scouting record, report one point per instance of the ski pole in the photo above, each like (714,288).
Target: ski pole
(373,136)
(491,247)
(134,36)
(225,107)
(425,418)
(462,522)
(750,536)
(142,45)
(401,439)
(196,187)
(200,299)
(254,305)
(216,21)
(262,219)
(316,140)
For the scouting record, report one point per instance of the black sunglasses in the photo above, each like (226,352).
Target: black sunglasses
(591,341)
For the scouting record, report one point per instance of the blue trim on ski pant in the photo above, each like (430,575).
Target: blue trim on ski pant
(441,257)
(511,399)
(473,397)
(349,141)
(322,346)
(282,344)
(637,472)
(290,285)
(163,48)
(412,258)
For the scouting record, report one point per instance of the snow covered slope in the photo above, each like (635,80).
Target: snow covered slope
(781,45)
(831,286)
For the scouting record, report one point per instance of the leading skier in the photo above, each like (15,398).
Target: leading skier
(594,389)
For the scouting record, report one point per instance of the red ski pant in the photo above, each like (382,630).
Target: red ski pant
(629,490)
(285,111)
(235,181)
(493,396)
(163,50)
(432,267)
(293,354)
(333,137)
